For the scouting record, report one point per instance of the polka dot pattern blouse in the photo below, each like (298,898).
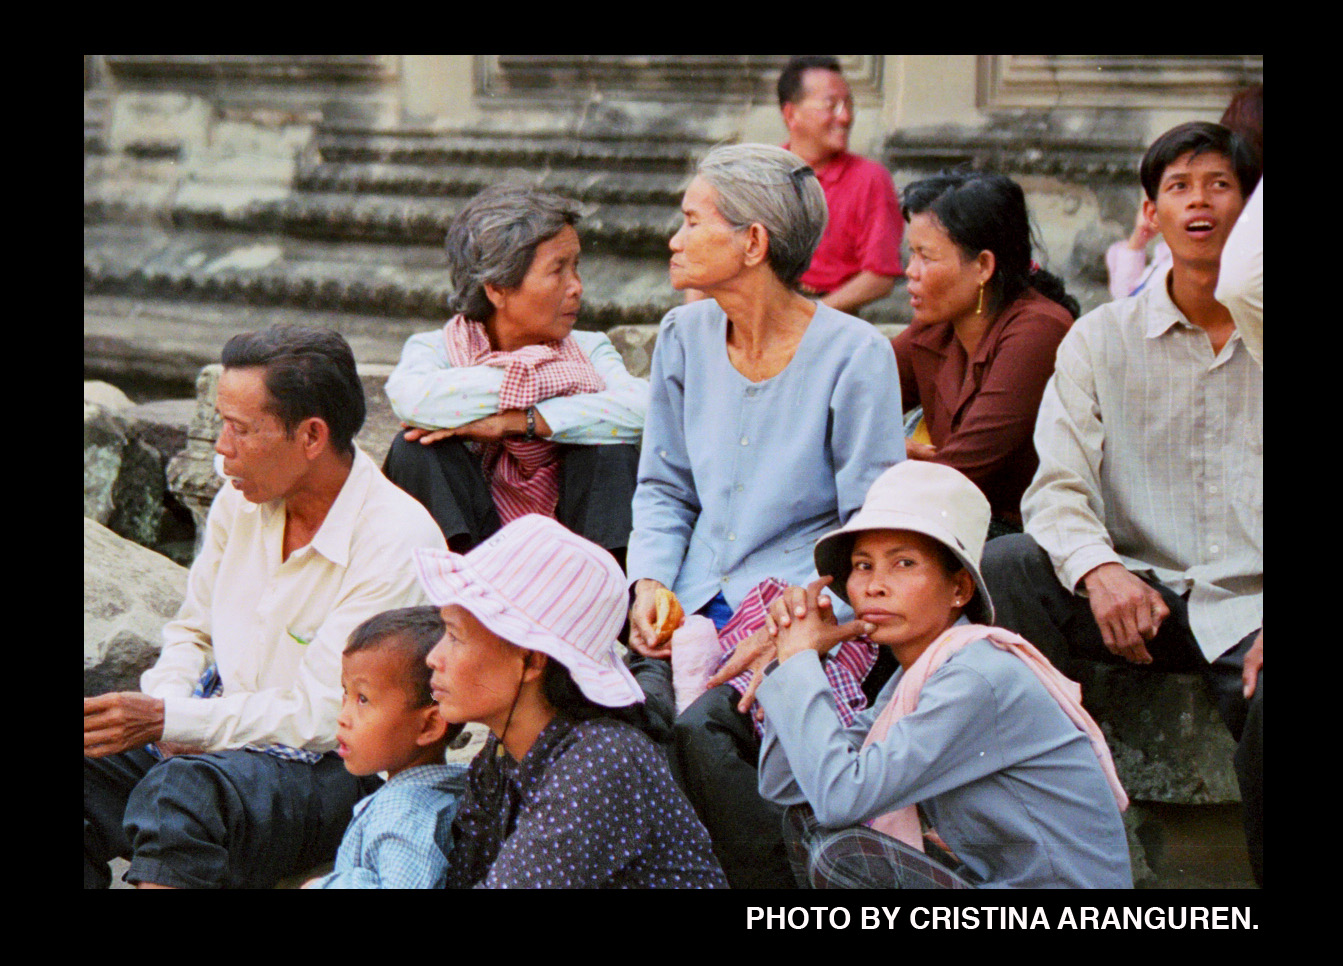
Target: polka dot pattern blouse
(591,805)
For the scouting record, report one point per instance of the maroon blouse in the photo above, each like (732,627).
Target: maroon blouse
(981,410)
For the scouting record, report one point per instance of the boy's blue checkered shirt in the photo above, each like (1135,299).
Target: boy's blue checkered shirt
(400,835)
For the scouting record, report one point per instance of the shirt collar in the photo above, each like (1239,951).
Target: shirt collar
(336,533)
(422,775)
(1163,315)
(419,775)
(831,171)
(527,772)
(334,536)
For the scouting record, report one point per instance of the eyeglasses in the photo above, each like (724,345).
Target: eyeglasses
(831,105)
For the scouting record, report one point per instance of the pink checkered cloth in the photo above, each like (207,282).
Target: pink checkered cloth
(524,474)
(845,666)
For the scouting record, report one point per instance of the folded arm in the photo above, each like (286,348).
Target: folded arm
(938,747)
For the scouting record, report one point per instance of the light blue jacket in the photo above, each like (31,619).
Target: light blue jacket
(1006,778)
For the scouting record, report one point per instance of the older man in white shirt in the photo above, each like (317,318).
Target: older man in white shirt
(222,771)
(1144,523)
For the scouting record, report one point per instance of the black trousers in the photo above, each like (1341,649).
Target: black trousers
(229,819)
(1030,600)
(596,490)
(715,757)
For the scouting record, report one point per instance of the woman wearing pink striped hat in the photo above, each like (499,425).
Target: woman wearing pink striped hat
(567,792)
(976,733)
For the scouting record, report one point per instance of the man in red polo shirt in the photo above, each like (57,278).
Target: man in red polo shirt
(858,259)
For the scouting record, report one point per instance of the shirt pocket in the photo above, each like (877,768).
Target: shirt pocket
(700,557)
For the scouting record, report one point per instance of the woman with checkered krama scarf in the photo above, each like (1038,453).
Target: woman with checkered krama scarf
(507,410)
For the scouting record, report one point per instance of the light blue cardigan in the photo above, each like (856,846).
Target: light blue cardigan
(737,480)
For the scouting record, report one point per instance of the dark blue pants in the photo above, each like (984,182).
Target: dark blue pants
(1030,600)
(229,819)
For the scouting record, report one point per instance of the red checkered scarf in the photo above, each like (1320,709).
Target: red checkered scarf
(845,666)
(524,474)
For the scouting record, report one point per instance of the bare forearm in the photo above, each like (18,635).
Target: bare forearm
(858,291)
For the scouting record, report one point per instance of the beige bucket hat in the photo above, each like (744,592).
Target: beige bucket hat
(927,498)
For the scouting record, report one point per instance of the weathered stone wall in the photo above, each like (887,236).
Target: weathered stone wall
(126,450)
(129,594)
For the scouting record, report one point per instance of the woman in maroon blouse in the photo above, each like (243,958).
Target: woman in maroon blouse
(987,323)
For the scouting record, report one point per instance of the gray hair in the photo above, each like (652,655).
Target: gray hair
(494,240)
(766,185)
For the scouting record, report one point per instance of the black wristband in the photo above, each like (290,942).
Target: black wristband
(531,423)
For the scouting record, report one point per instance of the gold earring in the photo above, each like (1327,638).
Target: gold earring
(979,310)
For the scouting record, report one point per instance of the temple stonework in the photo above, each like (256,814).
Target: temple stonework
(223,192)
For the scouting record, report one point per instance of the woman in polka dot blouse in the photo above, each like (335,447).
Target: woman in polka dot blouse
(566,792)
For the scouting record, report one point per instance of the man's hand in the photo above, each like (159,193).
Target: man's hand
(1128,611)
(642,614)
(859,290)
(920,451)
(1254,663)
(121,720)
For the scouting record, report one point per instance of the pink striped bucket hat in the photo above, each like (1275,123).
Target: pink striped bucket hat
(541,587)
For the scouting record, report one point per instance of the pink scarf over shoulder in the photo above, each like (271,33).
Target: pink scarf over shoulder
(903,823)
(523,474)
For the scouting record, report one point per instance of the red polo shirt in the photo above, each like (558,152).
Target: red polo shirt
(864,228)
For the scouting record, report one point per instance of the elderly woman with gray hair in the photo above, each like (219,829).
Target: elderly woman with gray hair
(770,416)
(508,409)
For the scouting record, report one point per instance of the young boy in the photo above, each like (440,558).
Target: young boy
(389,722)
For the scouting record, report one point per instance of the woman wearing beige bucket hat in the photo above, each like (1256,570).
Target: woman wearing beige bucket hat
(566,793)
(976,731)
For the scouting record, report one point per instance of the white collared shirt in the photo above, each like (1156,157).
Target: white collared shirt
(277,627)
(1152,456)
(1240,283)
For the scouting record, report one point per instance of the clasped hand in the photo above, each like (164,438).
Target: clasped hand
(799,619)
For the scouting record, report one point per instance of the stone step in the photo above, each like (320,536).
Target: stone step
(675,154)
(601,185)
(630,228)
(398,219)
(159,346)
(144,263)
